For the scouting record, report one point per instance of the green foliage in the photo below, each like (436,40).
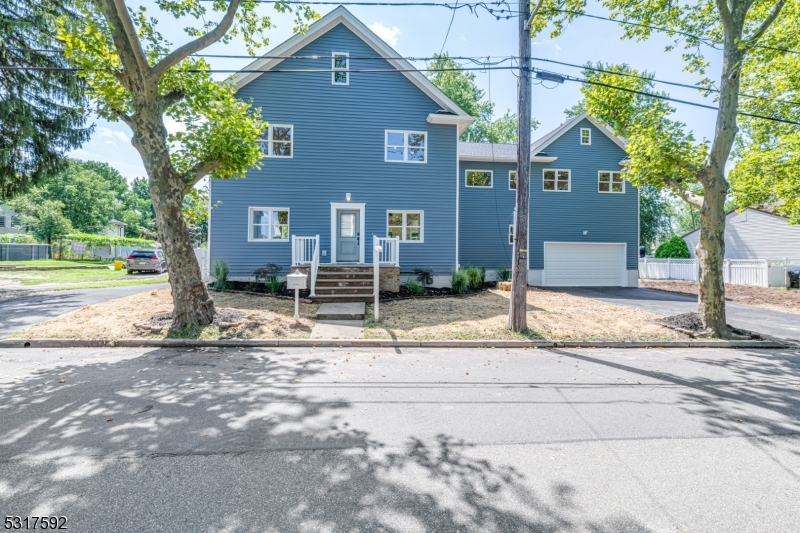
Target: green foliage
(424,275)
(46,221)
(107,240)
(220,274)
(461,88)
(42,112)
(17,238)
(504,274)
(475,276)
(675,248)
(264,273)
(459,281)
(414,287)
(655,216)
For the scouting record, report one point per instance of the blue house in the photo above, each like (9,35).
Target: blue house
(362,150)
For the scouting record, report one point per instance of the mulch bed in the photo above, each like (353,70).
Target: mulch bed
(691,324)
(224,318)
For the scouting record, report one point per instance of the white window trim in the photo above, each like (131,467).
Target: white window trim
(268,140)
(2,221)
(491,175)
(590,137)
(557,170)
(511,234)
(406,212)
(405,159)
(334,70)
(609,191)
(509,180)
(270,209)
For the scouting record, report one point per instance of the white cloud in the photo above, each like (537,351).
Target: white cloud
(389,35)
(546,42)
(108,133)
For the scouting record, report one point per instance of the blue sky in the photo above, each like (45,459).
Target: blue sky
(420,31)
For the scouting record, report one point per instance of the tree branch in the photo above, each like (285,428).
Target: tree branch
(132,35)
(123,44)
(725,13)
(684,194)
(199,171)
(773,14)
(182,52)
(172,98)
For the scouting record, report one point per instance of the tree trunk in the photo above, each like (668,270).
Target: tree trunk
(192,305)
(710,255)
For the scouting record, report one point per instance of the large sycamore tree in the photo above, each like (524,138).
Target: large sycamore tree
(661,145)
(138,77)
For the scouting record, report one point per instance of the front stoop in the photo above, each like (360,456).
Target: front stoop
(344,283)
(341,311)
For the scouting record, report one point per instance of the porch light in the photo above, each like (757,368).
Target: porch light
(585,232)
(347,196)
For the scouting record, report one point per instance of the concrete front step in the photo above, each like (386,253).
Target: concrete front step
(342,276)
(341,311)
(339,298)
(344,282)
(353,291)
(344,268)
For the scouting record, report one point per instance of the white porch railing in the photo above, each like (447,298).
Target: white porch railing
(303,249)
(390,250)
(314,269)
(757,272)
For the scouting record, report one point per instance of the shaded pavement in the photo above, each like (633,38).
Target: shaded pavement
(402,440)
(783,326)
(17,314)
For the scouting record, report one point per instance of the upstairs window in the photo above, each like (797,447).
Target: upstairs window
(479,178)
(407,225)
(512,180)
(556,180)
(340,64)
(406,146)
(586,136)
(2,221)
(278,141)
(511,234)
(269,224)
(611,182)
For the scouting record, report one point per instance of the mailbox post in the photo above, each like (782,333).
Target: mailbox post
(296,281)
(376,276)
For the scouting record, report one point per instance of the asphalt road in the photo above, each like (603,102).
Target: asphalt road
(784,326)
(402,440)
(16,314)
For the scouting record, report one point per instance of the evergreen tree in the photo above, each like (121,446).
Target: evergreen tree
(41,114)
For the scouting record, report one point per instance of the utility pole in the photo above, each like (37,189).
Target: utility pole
(518,319)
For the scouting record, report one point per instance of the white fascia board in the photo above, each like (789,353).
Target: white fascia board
(496,159)
(340,15)
(456,120)
(551,137)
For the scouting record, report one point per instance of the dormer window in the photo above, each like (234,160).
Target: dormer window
(586,136)
(340,64)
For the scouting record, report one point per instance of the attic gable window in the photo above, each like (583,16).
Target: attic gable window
(340,64)
(586,136)
(278,141)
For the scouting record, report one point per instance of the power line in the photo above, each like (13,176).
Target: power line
(446,35)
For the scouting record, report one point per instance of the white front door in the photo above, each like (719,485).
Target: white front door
(572,264)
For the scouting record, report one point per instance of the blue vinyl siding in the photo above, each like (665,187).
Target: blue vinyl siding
(484,217)
(339,135)
(564,216)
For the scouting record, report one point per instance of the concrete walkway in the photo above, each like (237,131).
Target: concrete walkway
(340,321)
(782,326)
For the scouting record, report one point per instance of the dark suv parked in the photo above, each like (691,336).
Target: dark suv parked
(146,261)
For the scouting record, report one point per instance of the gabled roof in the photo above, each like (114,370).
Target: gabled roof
(496,153)
(735,212)
(542,143)
(340,15)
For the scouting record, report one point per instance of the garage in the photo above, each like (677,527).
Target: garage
(572,264)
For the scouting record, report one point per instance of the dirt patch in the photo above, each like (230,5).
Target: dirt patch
(256,316)
(692,324)
(777,299)
(551,315)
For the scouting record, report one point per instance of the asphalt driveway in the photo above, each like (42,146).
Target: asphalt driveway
(17,314)
(783,326)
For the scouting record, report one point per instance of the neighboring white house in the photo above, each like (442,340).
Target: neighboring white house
(755,234)
(114,228)
(8,221)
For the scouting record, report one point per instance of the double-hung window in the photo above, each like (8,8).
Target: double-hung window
(2,221)
(278,141)
(611,182)
(406,146)
(511,234)
(340,64)
(269,224)
(478,178)
(556,180)
(586,136)
(407,225)
(512,180)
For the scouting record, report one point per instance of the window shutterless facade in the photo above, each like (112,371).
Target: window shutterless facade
(610,182)
(407,225)
(586,136)
(512,180)
(268,224)
(278,142)
(511,234)
(2,221)
(478,178)
(340,64)
(556,180)
(406,146)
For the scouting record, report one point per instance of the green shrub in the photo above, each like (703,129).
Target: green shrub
(675,248)
(459,281)
(274,284)
(221,273)
(475,276)
(108,240)
(424,275)
(504,274)
(414,287)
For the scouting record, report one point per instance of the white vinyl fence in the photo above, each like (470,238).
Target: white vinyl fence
(202,259)
(758,272)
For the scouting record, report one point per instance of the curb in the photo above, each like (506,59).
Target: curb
(377,343)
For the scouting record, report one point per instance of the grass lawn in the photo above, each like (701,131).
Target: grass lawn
(70,279)
(52,263)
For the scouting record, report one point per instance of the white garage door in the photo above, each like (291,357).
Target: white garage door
(569,264)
